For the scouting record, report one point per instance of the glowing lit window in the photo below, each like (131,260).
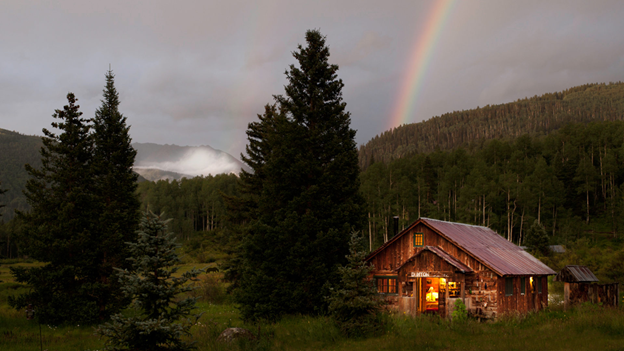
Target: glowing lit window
(419,239)
(508,286)
(386,285)
(522,286)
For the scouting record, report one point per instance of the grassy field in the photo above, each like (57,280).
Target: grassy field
(587,327)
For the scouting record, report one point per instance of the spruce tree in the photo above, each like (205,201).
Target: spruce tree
(59,228)
(116,195)
(354,303)
(151,285)
(302,199)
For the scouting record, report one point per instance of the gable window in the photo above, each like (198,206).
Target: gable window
(522,286)
(539,285)
(386,285)
(419,239)
(508,286)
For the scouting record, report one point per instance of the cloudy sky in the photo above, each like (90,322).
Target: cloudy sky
(196,72)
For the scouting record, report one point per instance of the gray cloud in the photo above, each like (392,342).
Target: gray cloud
(196,72)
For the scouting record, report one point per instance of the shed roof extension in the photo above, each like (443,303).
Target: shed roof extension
(485,245)
(576,274)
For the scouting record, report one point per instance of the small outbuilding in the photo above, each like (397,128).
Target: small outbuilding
(431,264)
(579,287)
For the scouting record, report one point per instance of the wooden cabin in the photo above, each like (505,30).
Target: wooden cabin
(579,286)
(431,264)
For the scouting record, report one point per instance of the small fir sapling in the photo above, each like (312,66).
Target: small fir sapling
(460,313)
(161,320)
(354,304)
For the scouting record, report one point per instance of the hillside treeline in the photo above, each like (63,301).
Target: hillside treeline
(15,151)
(195,204)
(570,180)
(536,115)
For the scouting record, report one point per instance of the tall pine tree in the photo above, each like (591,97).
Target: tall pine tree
(302,199)
(116,190)
(59,228)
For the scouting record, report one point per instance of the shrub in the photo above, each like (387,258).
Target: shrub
(212,289)
(460,313)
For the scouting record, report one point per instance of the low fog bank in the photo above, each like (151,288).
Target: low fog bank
(186,160)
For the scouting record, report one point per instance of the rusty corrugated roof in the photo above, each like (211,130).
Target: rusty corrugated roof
(443,255)
(491,249)
(576,274)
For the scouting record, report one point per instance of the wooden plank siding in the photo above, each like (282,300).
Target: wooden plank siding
(605,294)
(402,249)
(532,300)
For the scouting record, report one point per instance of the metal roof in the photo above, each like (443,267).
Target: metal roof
(491,249)
(485,245)
(443,255)
(576,274)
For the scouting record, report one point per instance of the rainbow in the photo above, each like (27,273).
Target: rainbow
(419,62)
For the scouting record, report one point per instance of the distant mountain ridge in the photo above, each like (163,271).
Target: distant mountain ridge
(16,150)
(536,115)
(153,162)
(175,162)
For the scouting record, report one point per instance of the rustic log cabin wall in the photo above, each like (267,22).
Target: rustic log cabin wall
(399,251)
(533,297)
(605,294)
(481,296)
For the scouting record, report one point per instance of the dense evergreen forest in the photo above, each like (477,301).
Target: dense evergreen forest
(16,150)
(571,181)
(196,204)
(537,115)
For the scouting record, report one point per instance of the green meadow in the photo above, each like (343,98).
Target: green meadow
(586,327)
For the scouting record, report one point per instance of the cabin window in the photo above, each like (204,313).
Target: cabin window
(386,285)
(539,285)
(419,239)
(522,286)
(508,286)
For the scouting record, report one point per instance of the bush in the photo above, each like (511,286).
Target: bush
(212,289)
(460,313)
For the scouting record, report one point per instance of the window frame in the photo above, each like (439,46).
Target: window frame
(509,286)
(389,277)
(522,285)
(422,239)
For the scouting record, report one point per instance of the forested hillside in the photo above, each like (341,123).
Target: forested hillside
(572,181)
(16,150)
(195,204)
(534,116)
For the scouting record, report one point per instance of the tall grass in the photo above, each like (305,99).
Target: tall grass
(586,327)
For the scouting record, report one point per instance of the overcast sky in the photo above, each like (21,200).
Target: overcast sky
(196,72)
